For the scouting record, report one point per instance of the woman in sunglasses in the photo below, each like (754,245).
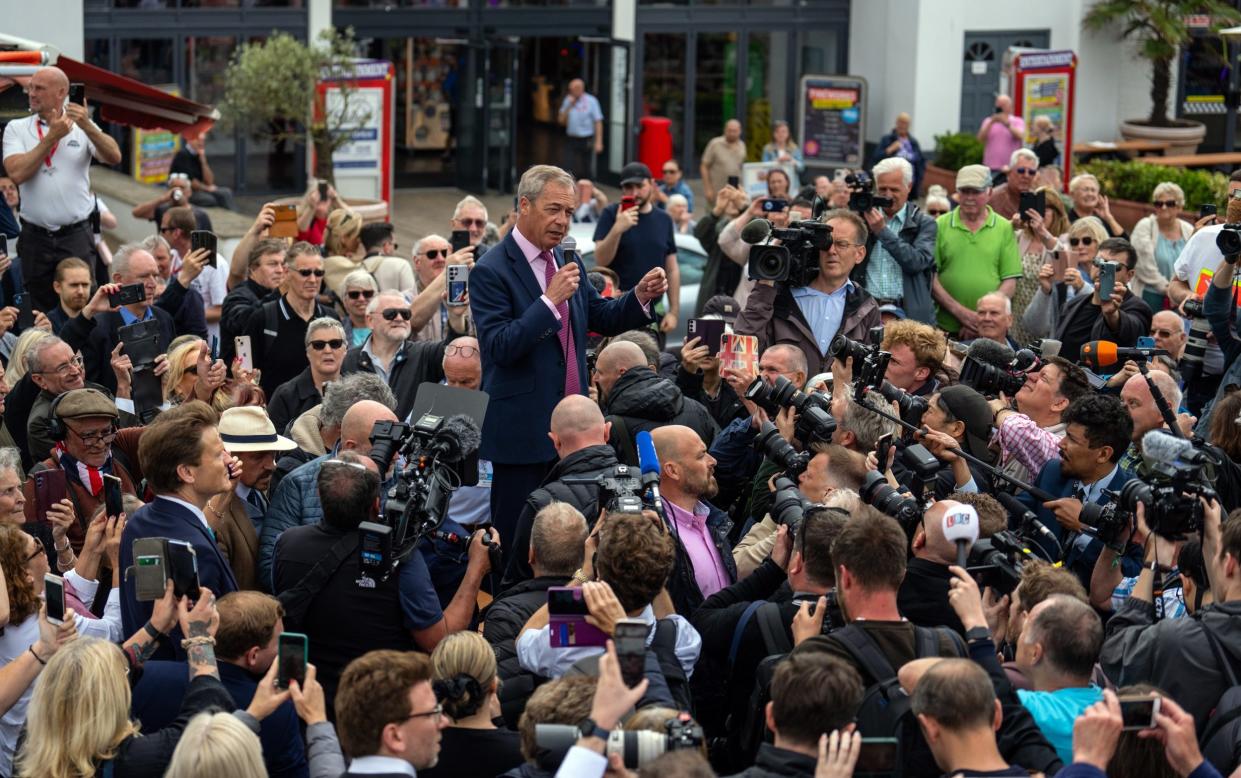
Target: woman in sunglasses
(1041,312)
(1088,200)
(1158,239)
(325,352)
(360,289)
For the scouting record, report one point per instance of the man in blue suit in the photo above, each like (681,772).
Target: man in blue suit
(533,311)
(1097,432)
(185,464)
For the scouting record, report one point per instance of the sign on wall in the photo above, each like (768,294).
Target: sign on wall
(152,150)
(831,120)
(362,167)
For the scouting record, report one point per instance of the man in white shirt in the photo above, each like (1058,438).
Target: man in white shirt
(48,156)
(212,282)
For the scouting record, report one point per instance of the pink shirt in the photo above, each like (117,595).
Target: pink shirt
(709,572)
(538,266)
(1000,144)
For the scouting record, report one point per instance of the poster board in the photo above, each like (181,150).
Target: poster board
(151,151)
(1044,84)
(831,120)
(362,167)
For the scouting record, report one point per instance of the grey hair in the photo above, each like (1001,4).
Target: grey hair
(1008,303)
(678,199)
(362,279)
(1169,188)
(373,305)
(893,164)
(152,242)
(556,536)
(867,427)
(323,323)
(11,459)
(1080,179)
(342,394)
(120,260)
(469,201)
(427,238)
(844,214)
(34,357)
(539,176)
(1022,153)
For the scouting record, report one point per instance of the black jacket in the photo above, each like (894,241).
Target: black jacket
(772,762)
(291,399)
(1135,322)
(583,463)
(416,363)
(239,304)
(148,756)
(724,407)
(923,596)
(682,586)
(509,613)
(98,336)
(641,400)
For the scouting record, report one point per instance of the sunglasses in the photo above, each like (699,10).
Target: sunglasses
(935,212)
(667,171)
(391,313)
(360,294)
(1162,333)
(467,223)
(333,344)
(306,273)
(1165,203)
(436,253)
(1075,242)
(1025,171)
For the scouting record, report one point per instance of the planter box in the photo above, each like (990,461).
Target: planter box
(938,175)
(1130,212)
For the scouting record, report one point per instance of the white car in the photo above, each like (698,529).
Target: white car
(691,258)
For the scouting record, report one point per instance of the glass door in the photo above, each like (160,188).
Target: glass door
(470,138)
(501,75)
(607,64)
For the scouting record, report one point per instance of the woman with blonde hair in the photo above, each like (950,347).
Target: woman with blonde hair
(182,382)
(1158,239)
(1038,235)
(17,366)
(217,745)
(342,247)
(1042,313)
(463,672)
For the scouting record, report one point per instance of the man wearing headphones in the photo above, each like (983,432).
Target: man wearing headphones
(87,446)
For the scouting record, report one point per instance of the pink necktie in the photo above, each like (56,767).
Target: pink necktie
(572,384)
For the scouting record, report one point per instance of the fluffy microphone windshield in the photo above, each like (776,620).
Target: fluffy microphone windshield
(461,434)
(756,231)
(990,352)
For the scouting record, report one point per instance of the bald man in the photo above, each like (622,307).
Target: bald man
(48,156)
(295,501)
(923,596)
(1136,395)
(580,436)
(463,364)
(636,398)
(1168,330)
(582,118)
(704,563)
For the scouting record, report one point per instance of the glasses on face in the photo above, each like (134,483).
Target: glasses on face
(436,253)
(1162,333)
(72,366)
(1083,241)
(333,344)
(1025,171)
(435,714)
(468,223)
(391,313)
(38,550)
(1165,203)
(845,245)
(668,171)
(98,437)
(465,351)
(360,294)
(936,212)
(307,273)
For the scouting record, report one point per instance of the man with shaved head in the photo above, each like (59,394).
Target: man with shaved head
(580,436)
(48,156)
(923,596)
(704,561)
(636,398)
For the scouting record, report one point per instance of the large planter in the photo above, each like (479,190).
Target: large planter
(938,175)
(1184,138)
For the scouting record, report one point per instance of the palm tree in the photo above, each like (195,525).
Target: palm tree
(1160,28)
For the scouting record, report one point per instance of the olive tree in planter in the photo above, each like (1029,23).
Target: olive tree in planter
(1160,28)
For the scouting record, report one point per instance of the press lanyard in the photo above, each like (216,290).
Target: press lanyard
(38,125)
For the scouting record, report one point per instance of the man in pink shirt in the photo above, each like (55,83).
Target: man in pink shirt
(704,562)
(1001,134)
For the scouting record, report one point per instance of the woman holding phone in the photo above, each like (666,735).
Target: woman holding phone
(1039,236)
(1158,239)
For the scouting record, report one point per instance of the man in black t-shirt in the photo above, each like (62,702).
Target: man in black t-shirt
(192,161)
(638,238)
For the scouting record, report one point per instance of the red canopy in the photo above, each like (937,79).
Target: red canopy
(125,100)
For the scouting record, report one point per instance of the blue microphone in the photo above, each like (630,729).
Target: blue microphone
(648,464)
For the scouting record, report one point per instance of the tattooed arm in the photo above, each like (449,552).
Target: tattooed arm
(163,618)
(199,624)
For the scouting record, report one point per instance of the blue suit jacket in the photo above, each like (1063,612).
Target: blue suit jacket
(1079,557)
(523,364)
(167,519)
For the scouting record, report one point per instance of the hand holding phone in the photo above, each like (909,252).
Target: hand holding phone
(54,596)
(292,655)
(241,346)
(129,294)
(202,239)
(630,636)
(114,501)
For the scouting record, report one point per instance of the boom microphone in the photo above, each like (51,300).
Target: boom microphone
(568,247)
(756,231)
(648,464)
(1161,448)
(457,439)
(960,525)
(1099,354)
(990,352)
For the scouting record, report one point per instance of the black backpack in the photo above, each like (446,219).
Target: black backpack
(1220,740)
(750,733)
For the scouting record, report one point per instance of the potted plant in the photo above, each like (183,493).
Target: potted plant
(1160,28)
(1129,186)
(953,151)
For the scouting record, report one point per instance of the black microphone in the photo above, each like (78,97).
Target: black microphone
(1017,508)
(756,231)
(459,437)
(568,247)
(990,352)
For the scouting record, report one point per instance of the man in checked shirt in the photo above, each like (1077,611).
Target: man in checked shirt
(1029,436)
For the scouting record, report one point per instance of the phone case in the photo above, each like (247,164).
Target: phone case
(113,500)
(292,654)
(285,225)
(141,341)
(739,352)
(241,345)
(710,330)
(458,276)
(183,567)
(50,488)
(570,629)
(459,240)
(54,597)
(150,570)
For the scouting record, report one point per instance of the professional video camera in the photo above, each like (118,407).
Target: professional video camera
(796,261)
(440,455)
(1228,241)
(862,195)
(992,368)
(814,410)
(620,489)
(637,747)
(998,561)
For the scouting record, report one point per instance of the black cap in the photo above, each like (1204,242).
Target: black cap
(634,173)
(723,306)
(972,408)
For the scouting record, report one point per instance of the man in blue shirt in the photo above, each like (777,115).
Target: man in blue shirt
(673,183)
(582,118)
(1057,652)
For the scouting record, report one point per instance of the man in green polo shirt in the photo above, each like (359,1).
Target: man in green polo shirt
(975,254)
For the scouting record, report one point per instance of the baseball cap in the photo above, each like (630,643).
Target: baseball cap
(723,306)
(969,406)
(893,309)
(974,177)
(85,403)
(634,173)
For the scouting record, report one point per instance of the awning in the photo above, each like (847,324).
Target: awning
(121,99)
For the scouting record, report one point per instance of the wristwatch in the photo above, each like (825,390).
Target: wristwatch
(588,728)
(977,633)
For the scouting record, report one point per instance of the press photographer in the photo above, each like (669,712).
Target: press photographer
(1029,435)
(956,417)
(804,295)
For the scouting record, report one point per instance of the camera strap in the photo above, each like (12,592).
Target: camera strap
(296,600)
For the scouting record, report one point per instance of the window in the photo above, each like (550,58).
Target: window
(663,81)
(715,89)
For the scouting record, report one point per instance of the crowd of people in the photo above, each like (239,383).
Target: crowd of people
(933,528)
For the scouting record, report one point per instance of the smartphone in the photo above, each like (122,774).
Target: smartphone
(566,616)
(77,94)
(878,756)
(1138,712)
(128,295)
(1146,341)
(322,190)
(150,568)
(50,487)
(241,346)
(709,330)
(1207,209)
(54,596)
(459,240)
(292,654)
(739,352)
(1059,264)
(285,225)
(458,276)
(774,205)
(734,181)
(4,245)
(183,569)
(1036,201)
(883,447)
(627,202)
(25,311)
(1107,279)
(114,505)
(630,638)
(202,239)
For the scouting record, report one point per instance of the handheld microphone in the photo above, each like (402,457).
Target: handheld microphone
(1098,354)
(648,464)
(568,247)
(960,524)
(756,231)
